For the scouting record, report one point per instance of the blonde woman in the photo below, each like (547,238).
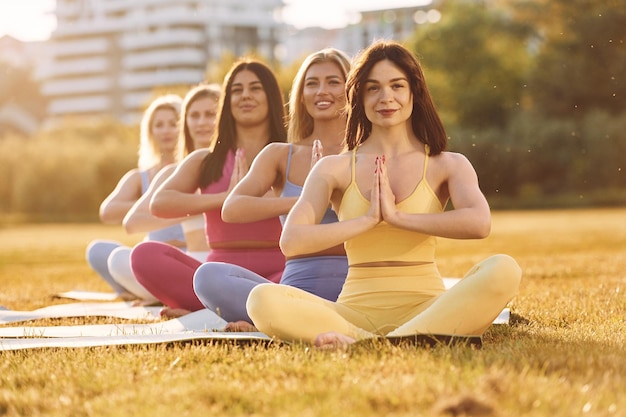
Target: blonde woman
(158,147)
(316,127)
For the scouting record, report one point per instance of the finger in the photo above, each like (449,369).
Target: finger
(317,151)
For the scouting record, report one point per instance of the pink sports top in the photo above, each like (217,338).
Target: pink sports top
(219,231)
(384,242)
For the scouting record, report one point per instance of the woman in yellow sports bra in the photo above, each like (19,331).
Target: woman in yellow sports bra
(389,193)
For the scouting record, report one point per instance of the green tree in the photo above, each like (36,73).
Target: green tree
(582,56)
(476,59)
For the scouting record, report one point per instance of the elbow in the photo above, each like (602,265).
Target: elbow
(287,246)
(482,229)
(108,218)
(228,216)
(156,207)
(230,213)
(130,226)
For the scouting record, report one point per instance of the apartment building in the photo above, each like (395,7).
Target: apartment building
(107,57)
(390,23)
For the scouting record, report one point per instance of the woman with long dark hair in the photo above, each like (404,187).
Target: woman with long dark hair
(251,115)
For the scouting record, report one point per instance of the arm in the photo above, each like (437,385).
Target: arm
(177,196)
(139,219)
(126,192)
(471,216)
(246,202)
(302,233)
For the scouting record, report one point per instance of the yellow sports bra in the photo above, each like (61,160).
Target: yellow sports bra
(386,243)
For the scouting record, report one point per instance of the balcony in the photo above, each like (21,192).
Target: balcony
(86,104)
(148,80)
(81,47)
(137,100)
(97,65)
(161,38)
(83,85)
(186,57)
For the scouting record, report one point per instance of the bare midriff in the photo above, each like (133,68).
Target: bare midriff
(244,244)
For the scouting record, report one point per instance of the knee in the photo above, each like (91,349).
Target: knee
(98,251)
(506,273)
(258,304)
(119,261)
(206,278)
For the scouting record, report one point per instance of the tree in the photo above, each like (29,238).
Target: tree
(476,60)
(582,57)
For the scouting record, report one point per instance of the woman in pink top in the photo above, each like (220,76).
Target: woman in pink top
(251,114)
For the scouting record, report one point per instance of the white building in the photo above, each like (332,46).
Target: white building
(397,24)
(108,56)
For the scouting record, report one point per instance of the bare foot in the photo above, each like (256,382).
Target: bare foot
(173,313)
(240,326)
(333,340)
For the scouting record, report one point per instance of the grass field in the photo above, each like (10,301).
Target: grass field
(563,355)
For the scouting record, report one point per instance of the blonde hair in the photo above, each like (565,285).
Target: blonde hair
(300,121)
(149,153)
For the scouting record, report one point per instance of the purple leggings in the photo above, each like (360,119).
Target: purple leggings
(167,272)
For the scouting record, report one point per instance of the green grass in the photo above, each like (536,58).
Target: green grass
(563,356)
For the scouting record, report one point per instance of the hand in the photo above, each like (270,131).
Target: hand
(318,152)
(386,197)
(375,210)
(240,170)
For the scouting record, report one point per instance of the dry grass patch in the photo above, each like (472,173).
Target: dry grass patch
(562,356)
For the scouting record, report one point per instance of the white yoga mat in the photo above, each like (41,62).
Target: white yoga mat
(81,342)
(198,321)
(81,295)
(121,309)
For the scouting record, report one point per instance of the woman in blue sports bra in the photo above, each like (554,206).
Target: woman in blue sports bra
(159,141)
(274,183)
(389,192)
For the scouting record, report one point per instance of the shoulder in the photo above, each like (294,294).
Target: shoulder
(274,150)
(451,159)
(453,163)
(196,156)
(134,175)
(333,164)
(166,171)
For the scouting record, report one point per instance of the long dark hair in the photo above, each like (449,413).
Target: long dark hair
(425,121)
(224,138)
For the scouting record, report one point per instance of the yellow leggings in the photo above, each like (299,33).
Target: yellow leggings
(391,301)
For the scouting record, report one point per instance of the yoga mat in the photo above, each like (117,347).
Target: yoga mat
(198,321)
(121,309)
(81,295)
(81,342)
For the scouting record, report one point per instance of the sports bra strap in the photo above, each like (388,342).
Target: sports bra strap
(145,181)
(288,161)
(427,152)
(353,178)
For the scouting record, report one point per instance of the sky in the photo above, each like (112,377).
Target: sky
(33,20)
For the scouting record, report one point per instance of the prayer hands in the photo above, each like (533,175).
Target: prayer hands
(382,199)
(318,152)
(240,170)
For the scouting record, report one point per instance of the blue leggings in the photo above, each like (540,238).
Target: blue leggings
(224,288)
